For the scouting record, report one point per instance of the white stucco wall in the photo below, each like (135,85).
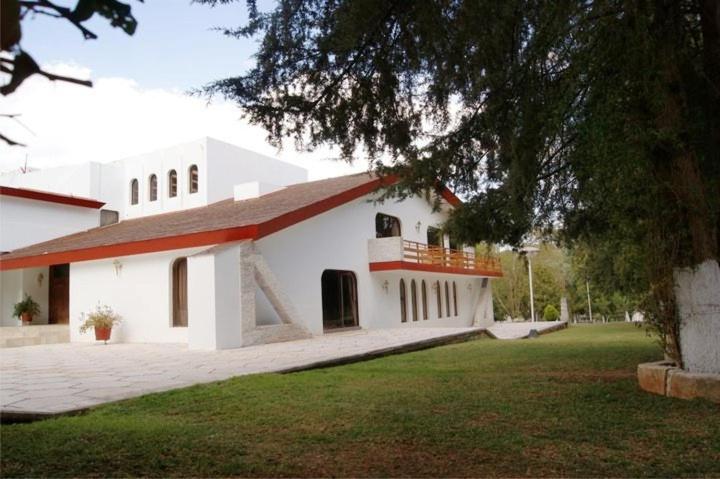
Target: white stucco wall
(24,221)
(338,239)
(140,293)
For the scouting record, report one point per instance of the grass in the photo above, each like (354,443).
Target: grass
(566,404)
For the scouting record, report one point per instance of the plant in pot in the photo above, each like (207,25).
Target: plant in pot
(26,309)
(102,319)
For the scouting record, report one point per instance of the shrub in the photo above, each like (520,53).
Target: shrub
(550,313)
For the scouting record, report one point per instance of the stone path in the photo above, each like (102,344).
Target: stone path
(507,330)
(37,381)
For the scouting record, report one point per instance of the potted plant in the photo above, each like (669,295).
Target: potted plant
(101,320)
(26,309)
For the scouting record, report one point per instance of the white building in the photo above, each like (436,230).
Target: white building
(219,247)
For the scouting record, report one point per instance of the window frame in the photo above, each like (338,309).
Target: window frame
(193,179)
(152,188)
(395,221)
(172,183)
(134,192)
(403,301)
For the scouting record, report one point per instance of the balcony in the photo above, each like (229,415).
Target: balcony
(389,254)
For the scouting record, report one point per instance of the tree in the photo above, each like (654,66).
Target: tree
(600,117)
(19,65)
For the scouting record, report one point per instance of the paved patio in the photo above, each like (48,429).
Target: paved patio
(62,378)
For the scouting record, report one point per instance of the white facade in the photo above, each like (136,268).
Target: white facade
(26,221)
(251,291)
(139,287)
(220,166)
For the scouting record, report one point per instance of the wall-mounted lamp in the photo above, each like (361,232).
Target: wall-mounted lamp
(118,267)
(469,287)
(418,225)
(40,278)
(385,286)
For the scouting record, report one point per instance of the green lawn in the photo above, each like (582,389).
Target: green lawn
(566,404)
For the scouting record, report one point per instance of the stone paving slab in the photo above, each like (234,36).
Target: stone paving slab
(46,380)
(520,330)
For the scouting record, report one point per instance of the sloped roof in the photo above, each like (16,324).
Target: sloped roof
(226,220)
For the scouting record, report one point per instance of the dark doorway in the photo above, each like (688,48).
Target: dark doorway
(386,226)
(59,294)
(179,283)
(339,299)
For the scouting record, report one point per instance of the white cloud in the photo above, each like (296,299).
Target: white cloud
(117,118)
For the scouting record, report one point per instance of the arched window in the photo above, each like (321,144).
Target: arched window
(413,294)
(172,184)
(447,299)
(152,187)
(179,293)
(403,303)
(134,192)
(193,179)
(386,226)
(423,292)
(438,294)
(454,298)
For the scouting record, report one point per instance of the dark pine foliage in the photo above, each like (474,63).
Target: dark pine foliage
(599,118)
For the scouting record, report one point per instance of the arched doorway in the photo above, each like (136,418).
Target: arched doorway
(339,299)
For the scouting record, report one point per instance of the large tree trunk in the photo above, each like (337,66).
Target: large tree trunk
(697,289)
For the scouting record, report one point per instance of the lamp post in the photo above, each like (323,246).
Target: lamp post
(529,252)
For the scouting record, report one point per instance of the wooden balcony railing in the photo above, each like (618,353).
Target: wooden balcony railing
(449,258)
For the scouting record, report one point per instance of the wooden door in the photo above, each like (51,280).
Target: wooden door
(180,306)
(59,294)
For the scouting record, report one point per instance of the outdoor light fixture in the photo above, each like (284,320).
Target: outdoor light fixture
(118,267)
(385,286)
(469,286)
(417,226)
(40,278)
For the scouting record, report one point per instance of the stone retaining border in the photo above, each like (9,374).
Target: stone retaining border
(666,379)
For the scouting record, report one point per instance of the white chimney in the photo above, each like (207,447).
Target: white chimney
(253,189)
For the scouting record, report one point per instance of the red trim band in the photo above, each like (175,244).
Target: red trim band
(50,197)
(430,268)
(190,240)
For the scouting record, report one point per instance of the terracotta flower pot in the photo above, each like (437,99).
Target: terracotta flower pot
(102,334)
(26,318)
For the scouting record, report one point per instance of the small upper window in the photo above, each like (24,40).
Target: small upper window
(152,185)
(134,192)
(172,184)
(193,179)
(386,226)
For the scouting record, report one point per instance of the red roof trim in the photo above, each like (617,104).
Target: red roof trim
(50,197)
(431,268)
(190,240)
(206,237)
(450,196)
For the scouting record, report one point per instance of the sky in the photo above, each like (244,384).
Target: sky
(139,101)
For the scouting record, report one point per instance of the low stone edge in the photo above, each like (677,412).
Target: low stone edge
(389,351)
(666,379)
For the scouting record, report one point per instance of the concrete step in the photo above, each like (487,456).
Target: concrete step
(17,336)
